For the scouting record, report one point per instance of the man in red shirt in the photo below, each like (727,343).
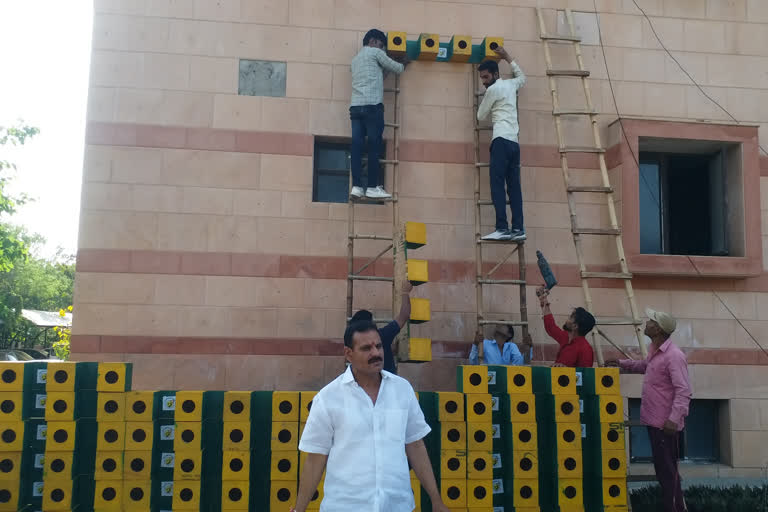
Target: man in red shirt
(575,350)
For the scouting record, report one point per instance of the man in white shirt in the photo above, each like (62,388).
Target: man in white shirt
(366,111)
(500,102)
(364,429)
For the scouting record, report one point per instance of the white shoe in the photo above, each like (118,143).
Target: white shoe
(377,193)
(499,234)
(357,192)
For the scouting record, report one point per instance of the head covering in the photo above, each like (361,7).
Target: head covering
(666,321)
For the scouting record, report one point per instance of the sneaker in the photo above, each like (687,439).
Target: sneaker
(357,192)
(499,234)
(377,193)
(517,235)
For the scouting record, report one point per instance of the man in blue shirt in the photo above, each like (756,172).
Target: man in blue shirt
(508,354)
(389,331)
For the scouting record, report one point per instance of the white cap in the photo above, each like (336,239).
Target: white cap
(666,321)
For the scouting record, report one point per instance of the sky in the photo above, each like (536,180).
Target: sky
(44,81)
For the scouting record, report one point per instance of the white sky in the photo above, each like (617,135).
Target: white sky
(44,81)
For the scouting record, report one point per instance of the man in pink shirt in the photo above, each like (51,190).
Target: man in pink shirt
(666,395)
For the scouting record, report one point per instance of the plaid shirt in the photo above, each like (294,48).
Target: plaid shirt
(368,68)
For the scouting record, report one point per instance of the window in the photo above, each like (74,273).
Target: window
(699,441)
(690,195)
(332,169)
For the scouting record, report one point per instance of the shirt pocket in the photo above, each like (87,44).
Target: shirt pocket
(392,424)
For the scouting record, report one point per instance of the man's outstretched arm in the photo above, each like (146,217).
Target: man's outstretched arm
(417,457)
(405,308)
(311,472)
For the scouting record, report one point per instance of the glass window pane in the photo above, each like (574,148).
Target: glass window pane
(650,208)
(701,430)
(332,159)
(639,442)
(332,188)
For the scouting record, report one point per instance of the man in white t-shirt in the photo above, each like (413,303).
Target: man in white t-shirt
(500,103)
(364,429)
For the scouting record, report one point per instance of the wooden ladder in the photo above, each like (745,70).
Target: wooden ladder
(396,242)
(578,231)
(481,277)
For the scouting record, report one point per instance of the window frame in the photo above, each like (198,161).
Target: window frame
(344,144)
(320,145)
(620,161)
(717,455)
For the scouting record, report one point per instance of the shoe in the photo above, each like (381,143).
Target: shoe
(357,192)
(517,235)
(377,193)
(499,234)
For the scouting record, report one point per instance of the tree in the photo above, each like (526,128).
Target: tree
(12,248)
(32,283)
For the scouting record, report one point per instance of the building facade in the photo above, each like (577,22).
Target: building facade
(212,254)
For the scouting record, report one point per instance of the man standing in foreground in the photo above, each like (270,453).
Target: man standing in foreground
(500,102)
(367,111)
(392,329)
(664,406)
(575,351)
(501,349)
(364,429)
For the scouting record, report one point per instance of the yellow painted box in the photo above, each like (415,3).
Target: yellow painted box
(429,46)
(418,271)
(461,48)
(420,310)
(285,406)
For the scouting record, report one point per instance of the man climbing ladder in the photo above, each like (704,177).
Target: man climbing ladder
(366,111)
(500,102)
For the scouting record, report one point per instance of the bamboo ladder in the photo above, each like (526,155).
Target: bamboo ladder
(481,277)
(614,231)
(396,241)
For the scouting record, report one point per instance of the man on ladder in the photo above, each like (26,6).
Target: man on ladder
(367,111)
(500,102)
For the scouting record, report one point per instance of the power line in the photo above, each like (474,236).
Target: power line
(637,161)
(663,46)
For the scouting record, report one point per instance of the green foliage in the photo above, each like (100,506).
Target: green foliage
(61,347)
(706,499)
(12,248)
(32,283)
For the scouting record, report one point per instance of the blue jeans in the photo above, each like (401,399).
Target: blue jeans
(505,170)
(367,120)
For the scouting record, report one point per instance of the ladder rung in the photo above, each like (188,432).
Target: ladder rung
(482,164)
(479,93)
(573,39)
(370,237)
(393,125)
(502,322)
(620,321)
(390,89)
(375,320)
(483,128)
(371,200)
(580,149)
(488,202)
(501,281)
(595,231)
(588,188)
(574,112)
(356,277)
(568,72)
(606,275)
(518,242)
